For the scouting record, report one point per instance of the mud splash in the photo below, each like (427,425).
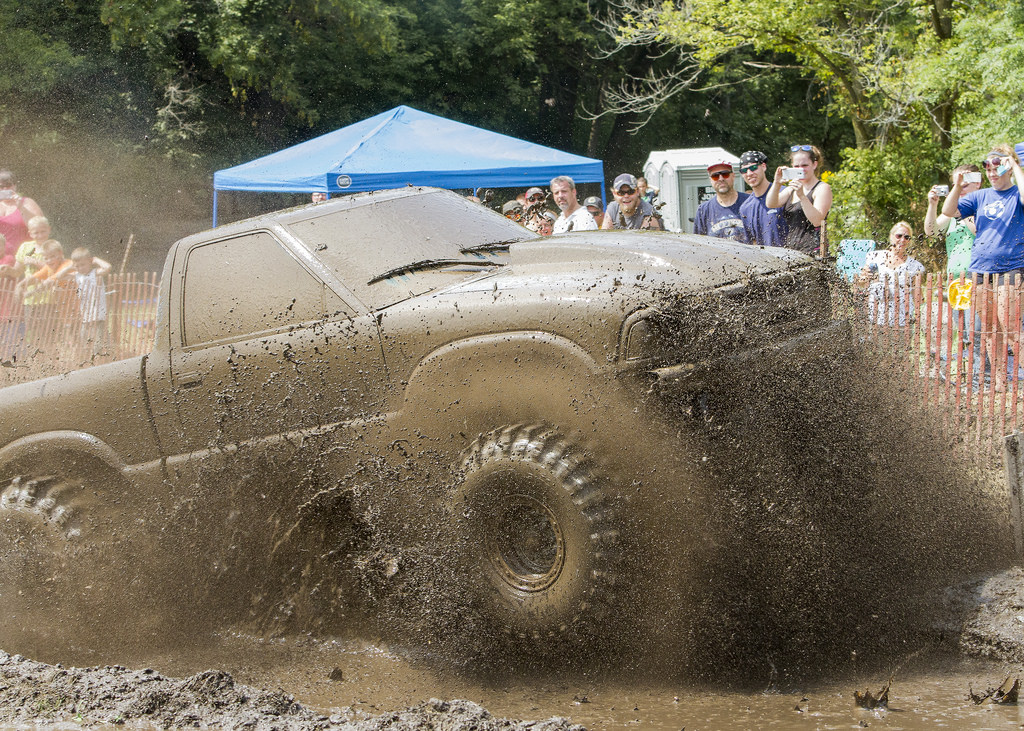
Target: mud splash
(776,519)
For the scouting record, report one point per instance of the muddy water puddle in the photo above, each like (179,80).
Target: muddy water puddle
(356,679)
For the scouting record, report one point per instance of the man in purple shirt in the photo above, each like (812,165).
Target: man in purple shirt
(720,216)
(763,223)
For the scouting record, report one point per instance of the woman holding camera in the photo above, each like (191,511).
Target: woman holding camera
(959,233)
(804,198)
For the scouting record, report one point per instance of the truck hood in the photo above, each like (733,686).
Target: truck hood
(699,260)
(630,261)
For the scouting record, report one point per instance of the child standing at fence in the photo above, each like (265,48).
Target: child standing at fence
(29,260)
(52,315)
(88,273)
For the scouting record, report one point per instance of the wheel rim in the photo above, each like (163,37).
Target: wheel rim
(527,546)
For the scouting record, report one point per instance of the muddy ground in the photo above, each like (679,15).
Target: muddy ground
(40,693)
(984,618)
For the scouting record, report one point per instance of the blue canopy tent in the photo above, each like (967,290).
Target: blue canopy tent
(405,146)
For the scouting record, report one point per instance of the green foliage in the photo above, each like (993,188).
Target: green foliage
(990,77)
(49,56)
(214,82)
(876,187)
(979,79)
(275,46)
(855,48)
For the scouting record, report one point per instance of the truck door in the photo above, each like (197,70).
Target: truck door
(266,348)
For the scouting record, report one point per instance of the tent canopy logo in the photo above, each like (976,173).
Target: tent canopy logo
(343,181)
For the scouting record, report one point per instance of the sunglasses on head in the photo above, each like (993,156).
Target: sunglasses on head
(798,148)
(721,174)
(749,168)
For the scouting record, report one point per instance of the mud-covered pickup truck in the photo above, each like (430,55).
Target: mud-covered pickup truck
(522,412)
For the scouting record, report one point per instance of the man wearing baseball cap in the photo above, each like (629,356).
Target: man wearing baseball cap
(533,208)
(513,210)
(596,208)
(628,210)
(720,216)
(764,223)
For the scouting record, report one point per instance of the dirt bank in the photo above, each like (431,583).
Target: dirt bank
(39,693)
(989,616)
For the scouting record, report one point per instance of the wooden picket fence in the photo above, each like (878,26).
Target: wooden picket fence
(49,338)
(958,341)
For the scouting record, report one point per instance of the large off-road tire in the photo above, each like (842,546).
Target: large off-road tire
(43,513)
(541,539)
(64,571)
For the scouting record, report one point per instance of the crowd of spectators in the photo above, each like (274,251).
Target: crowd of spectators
(632,207)
(789,211)
(982,228)
(40,286)
(983,232)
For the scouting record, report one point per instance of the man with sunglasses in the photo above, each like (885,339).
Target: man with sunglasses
(628,210)
(596,208)
(721,216)
(533,208)
(763,223)
(998,214)
(997,257)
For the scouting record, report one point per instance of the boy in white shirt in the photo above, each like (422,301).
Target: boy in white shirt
(88,272)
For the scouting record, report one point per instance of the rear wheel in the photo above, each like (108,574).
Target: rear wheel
(43,522)
(541,538)
(65,572)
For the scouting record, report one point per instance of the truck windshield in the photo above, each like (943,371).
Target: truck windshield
(374,248)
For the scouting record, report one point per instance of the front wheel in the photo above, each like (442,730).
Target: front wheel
(541,533)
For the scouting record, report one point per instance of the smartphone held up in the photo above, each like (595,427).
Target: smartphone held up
(792,174)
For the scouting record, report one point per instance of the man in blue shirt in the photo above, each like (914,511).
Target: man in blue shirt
(720,216)
(999,242)
(764,223)
(997,257)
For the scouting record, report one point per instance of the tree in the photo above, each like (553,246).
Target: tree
(857,49)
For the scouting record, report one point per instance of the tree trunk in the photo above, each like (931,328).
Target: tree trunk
(611,153)
(593,139)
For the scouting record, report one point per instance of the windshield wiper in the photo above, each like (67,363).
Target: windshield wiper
(495,246)
(419,266)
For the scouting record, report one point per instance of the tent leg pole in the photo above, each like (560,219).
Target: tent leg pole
(215,208)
